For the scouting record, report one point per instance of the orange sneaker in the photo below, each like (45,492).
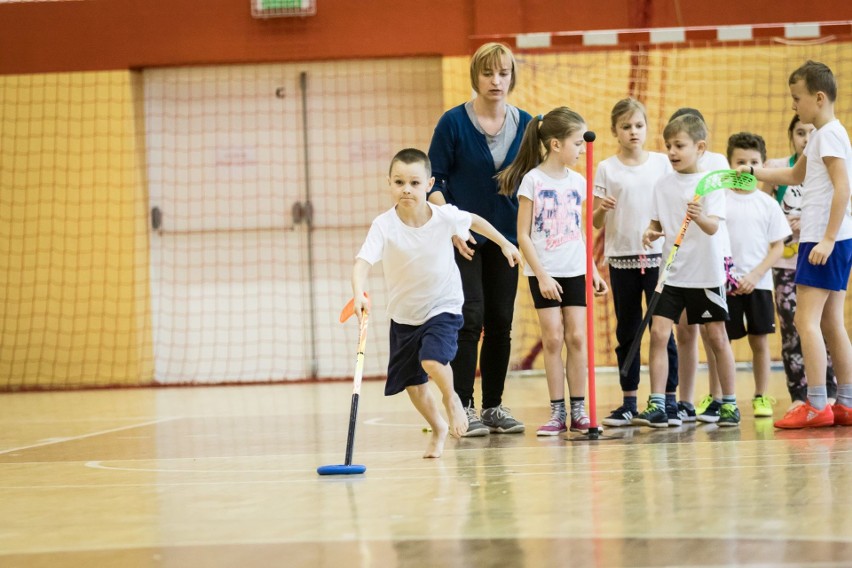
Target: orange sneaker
(842,415)
(806,416)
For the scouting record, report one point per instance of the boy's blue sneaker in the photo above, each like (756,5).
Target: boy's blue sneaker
(672,416)
(686,414)
(621,416)
(711,413)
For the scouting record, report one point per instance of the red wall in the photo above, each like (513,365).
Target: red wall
(117,34)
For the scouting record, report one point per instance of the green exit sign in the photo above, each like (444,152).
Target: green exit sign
(276,8)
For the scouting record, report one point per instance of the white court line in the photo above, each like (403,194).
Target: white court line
(512,469)
(84,436)
(366,477)
(381,422)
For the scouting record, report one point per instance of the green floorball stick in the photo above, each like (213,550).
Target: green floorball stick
(719,179)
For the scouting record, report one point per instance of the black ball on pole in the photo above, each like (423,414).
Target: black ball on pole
(589,136)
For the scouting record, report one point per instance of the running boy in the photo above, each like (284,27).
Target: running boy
(825,246)
(757,228)
(413,241)
(696,282)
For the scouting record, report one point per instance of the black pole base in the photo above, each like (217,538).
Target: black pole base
(594,434)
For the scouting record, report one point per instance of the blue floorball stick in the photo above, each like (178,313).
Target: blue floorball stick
(347,467)
(719,179)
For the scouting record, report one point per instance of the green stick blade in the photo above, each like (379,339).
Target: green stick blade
(726,179)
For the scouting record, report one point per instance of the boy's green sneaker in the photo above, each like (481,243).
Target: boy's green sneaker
(729,415)
(702,406)
(763,406)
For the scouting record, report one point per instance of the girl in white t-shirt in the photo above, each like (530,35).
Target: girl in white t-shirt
(784,272)
(624,185)
(550,236)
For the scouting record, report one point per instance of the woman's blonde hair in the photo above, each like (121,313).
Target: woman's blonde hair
(490,56)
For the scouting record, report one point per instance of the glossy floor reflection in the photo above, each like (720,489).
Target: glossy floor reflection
(227,477)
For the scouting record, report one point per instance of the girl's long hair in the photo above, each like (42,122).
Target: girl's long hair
(558,124)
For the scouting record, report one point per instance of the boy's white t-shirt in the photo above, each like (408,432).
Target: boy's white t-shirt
(421,275)
(556,231)
(831,140)
(754,221)
(710,162)
(791,207)
(632,187)
(699,262)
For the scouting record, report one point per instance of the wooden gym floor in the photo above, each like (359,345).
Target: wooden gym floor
(225,476)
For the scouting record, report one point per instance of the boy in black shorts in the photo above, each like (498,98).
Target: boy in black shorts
(757,229)
(696,281)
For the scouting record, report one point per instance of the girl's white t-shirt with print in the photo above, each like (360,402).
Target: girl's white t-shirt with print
(754,222)
(419,264)
(632,187)
(831,140)
(556,231)
(700,261)
(791,207)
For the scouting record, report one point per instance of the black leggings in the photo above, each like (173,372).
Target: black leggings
(490,286)
(628,286)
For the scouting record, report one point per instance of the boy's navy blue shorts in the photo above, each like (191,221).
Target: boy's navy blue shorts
(833,275)
(436,339)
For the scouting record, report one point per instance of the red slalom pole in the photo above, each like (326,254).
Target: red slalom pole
(589,137)
(595,432)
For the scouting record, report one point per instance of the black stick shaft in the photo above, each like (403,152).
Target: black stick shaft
(350,439)
(637,341)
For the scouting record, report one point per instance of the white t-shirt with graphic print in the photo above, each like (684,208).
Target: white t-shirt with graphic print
(791,207)
(556,231)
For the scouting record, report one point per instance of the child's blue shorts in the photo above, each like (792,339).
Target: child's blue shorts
(436,339)
(833,275)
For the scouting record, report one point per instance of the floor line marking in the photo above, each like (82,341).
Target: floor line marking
(84,436)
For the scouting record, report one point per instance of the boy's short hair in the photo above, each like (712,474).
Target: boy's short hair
(691,124)
(489,56)
(747,141)
(412,156)
(817,77)
(683,111)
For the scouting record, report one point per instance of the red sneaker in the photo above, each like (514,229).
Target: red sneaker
(806,416)
(842,415)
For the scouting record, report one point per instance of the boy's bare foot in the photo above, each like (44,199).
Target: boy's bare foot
(435,447)
(457,416)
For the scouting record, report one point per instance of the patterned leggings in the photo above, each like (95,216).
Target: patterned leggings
(791,344)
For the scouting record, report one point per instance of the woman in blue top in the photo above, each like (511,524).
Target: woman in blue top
(471,144)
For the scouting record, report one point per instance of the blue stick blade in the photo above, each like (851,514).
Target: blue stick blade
(353,469)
